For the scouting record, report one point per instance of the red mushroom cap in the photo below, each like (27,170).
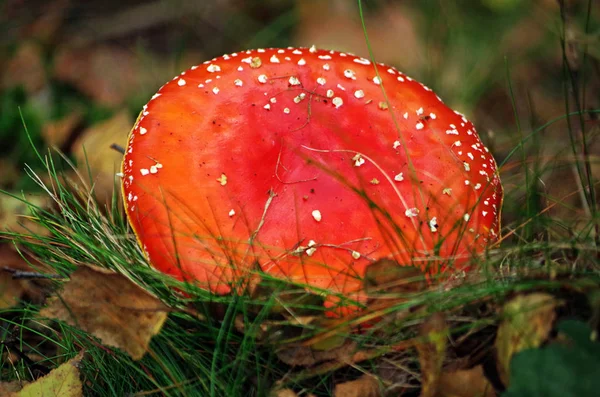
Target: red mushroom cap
(309,163)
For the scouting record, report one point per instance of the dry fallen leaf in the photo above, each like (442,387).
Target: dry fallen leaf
(465,383)
(14,212)
(26,69)
(60,382)
(388,283)
(10,173)
(386,275)
(287,393)
(93,150)
(528,320)
(284,393)
(332,335)
(365,386)
(91,69)
(50,18)
(305,356)
(57,132)
(110,307)
(10,389)
(11,289)
(337,26)
(432,351)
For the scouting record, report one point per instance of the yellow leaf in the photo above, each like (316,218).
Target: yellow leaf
(93,151)
(528,320)
(60,382)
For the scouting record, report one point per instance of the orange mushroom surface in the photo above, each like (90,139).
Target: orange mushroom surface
(310,164)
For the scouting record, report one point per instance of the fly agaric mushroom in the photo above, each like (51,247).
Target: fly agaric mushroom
(309,163)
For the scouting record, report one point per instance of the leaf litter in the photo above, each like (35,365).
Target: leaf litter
(110,307)
(63,381)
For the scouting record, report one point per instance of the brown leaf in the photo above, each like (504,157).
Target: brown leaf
(92,70)
(336,26)
(60,382)
(50,19)
(388,283)
(465,383)
(12,290)
(110,307)
(305,356)
(432,351)
(14,212)
(332,336)
(26,69)
(92,151)
(528,320)
(365,386)
(10,173)
(386,275)
(284,393)
(10,389)
(57,132)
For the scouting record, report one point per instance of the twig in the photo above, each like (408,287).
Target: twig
(118,148)
(26,275)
